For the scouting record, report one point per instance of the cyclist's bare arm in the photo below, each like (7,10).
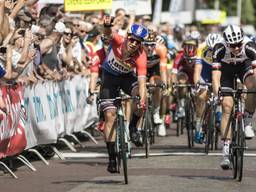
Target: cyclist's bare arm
(216,74)
(218,54)
(197,73)
(161,50)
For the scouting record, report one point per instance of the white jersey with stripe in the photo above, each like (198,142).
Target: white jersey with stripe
(222,54)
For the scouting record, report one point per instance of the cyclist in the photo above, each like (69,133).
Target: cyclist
(117,70)
(235,55)
(156,74)
(203,74)
(183,70)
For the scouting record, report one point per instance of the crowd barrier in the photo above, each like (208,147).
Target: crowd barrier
(41,113)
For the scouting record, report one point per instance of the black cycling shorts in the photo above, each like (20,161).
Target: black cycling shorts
(153,71)
(229,71)
(111,84)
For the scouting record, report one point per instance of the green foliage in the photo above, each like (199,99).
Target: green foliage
(247,12)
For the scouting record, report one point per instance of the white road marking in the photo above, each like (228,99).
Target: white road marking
(101,155)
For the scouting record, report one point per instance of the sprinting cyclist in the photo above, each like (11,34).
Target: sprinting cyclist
(203,74)
(183,70)
(124,55)
(235,55)
(156,74)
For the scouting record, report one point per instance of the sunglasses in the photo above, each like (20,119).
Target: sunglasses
(149,44)
(76,25)
(68,34)
(131,40)
(237,45)
(82,31)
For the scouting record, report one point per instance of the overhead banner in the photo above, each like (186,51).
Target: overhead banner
(87,5)
(210,16)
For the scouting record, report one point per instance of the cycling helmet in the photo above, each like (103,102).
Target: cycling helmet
(233,34)
(138,32)
(190,47)
(160,39)
(151,37)
(212,39)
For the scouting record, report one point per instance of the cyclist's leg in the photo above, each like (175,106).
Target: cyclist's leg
(109,91)
(227,78)
(130,86)
(200,101)
(156,99)
(249,79)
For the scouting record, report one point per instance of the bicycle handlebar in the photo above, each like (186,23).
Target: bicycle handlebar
(183,85)
(119,99)
(237,92)
(160,85)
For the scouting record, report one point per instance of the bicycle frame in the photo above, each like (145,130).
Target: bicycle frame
(189,112)
(123,145)
(238,144)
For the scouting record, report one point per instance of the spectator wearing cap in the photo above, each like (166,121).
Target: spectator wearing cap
(49,52)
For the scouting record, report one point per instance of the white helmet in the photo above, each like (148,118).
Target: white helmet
(233,34)
(212,39)
(160,39)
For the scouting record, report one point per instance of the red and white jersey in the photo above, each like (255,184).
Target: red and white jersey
(115,65)
(187,65)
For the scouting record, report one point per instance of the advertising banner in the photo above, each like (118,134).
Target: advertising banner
(87,5)
(12,130)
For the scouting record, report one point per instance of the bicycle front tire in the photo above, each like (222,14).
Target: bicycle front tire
(240,149)
(123,148)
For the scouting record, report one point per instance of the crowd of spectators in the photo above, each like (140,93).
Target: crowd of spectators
(48,44)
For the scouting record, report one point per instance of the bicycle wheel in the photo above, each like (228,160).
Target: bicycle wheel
(189,122)
(240,148)
(232,151)
(147,128)
(208,130)
(123,147)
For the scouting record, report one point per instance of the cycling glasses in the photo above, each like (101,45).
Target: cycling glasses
(237,45)
(149,44)
(132,40)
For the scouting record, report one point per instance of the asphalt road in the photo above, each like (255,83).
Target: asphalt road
(170,167)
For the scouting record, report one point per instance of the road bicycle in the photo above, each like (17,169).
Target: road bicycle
(123,141)
(148,126)
(189,108)
(210,120)
(236,120)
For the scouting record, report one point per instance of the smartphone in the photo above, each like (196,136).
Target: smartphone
(3,49)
